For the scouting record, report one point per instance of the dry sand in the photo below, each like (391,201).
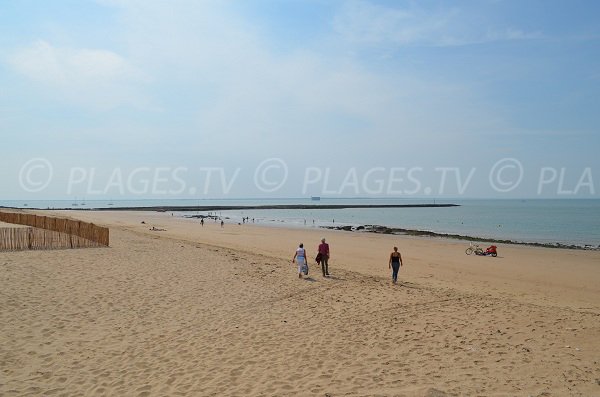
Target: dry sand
(217,311)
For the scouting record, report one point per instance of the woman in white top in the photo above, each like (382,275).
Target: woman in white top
(300,257)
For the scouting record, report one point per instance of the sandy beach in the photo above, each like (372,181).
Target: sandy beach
(211,311)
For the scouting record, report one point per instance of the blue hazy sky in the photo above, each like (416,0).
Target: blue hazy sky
(109,84)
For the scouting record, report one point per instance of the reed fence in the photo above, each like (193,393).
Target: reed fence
(49,233)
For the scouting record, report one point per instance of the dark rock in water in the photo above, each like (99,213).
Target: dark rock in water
(380,229)
(345,228)
(360,228)
(202,216)
(435,393)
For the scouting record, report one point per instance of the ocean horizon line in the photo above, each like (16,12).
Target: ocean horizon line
(83,199)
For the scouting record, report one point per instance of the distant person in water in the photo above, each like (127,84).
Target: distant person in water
(300,258)
(324,257)
(394,264)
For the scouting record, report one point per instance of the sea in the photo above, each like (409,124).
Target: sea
(544,221)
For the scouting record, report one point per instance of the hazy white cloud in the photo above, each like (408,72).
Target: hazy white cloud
(368,24)
(49,64)
(92,77)
(252,93)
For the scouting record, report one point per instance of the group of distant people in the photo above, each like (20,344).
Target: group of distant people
(323,255)
(244,220)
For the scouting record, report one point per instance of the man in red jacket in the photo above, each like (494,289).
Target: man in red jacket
(324,251)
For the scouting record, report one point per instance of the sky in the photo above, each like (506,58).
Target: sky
(211,99)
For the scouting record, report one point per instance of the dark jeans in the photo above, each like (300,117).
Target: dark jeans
(395,268)
(325,265)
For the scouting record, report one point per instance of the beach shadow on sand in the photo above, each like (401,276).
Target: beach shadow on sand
(312,280)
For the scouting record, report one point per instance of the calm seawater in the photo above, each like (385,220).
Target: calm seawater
(568,221)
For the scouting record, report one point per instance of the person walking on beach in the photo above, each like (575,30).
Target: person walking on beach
(222,223)
(394,264)
(324,256)
(301,259)
(202,222)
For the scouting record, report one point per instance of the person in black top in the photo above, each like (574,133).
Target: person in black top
(395,263)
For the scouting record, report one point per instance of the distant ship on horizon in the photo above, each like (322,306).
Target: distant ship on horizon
(315,198)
